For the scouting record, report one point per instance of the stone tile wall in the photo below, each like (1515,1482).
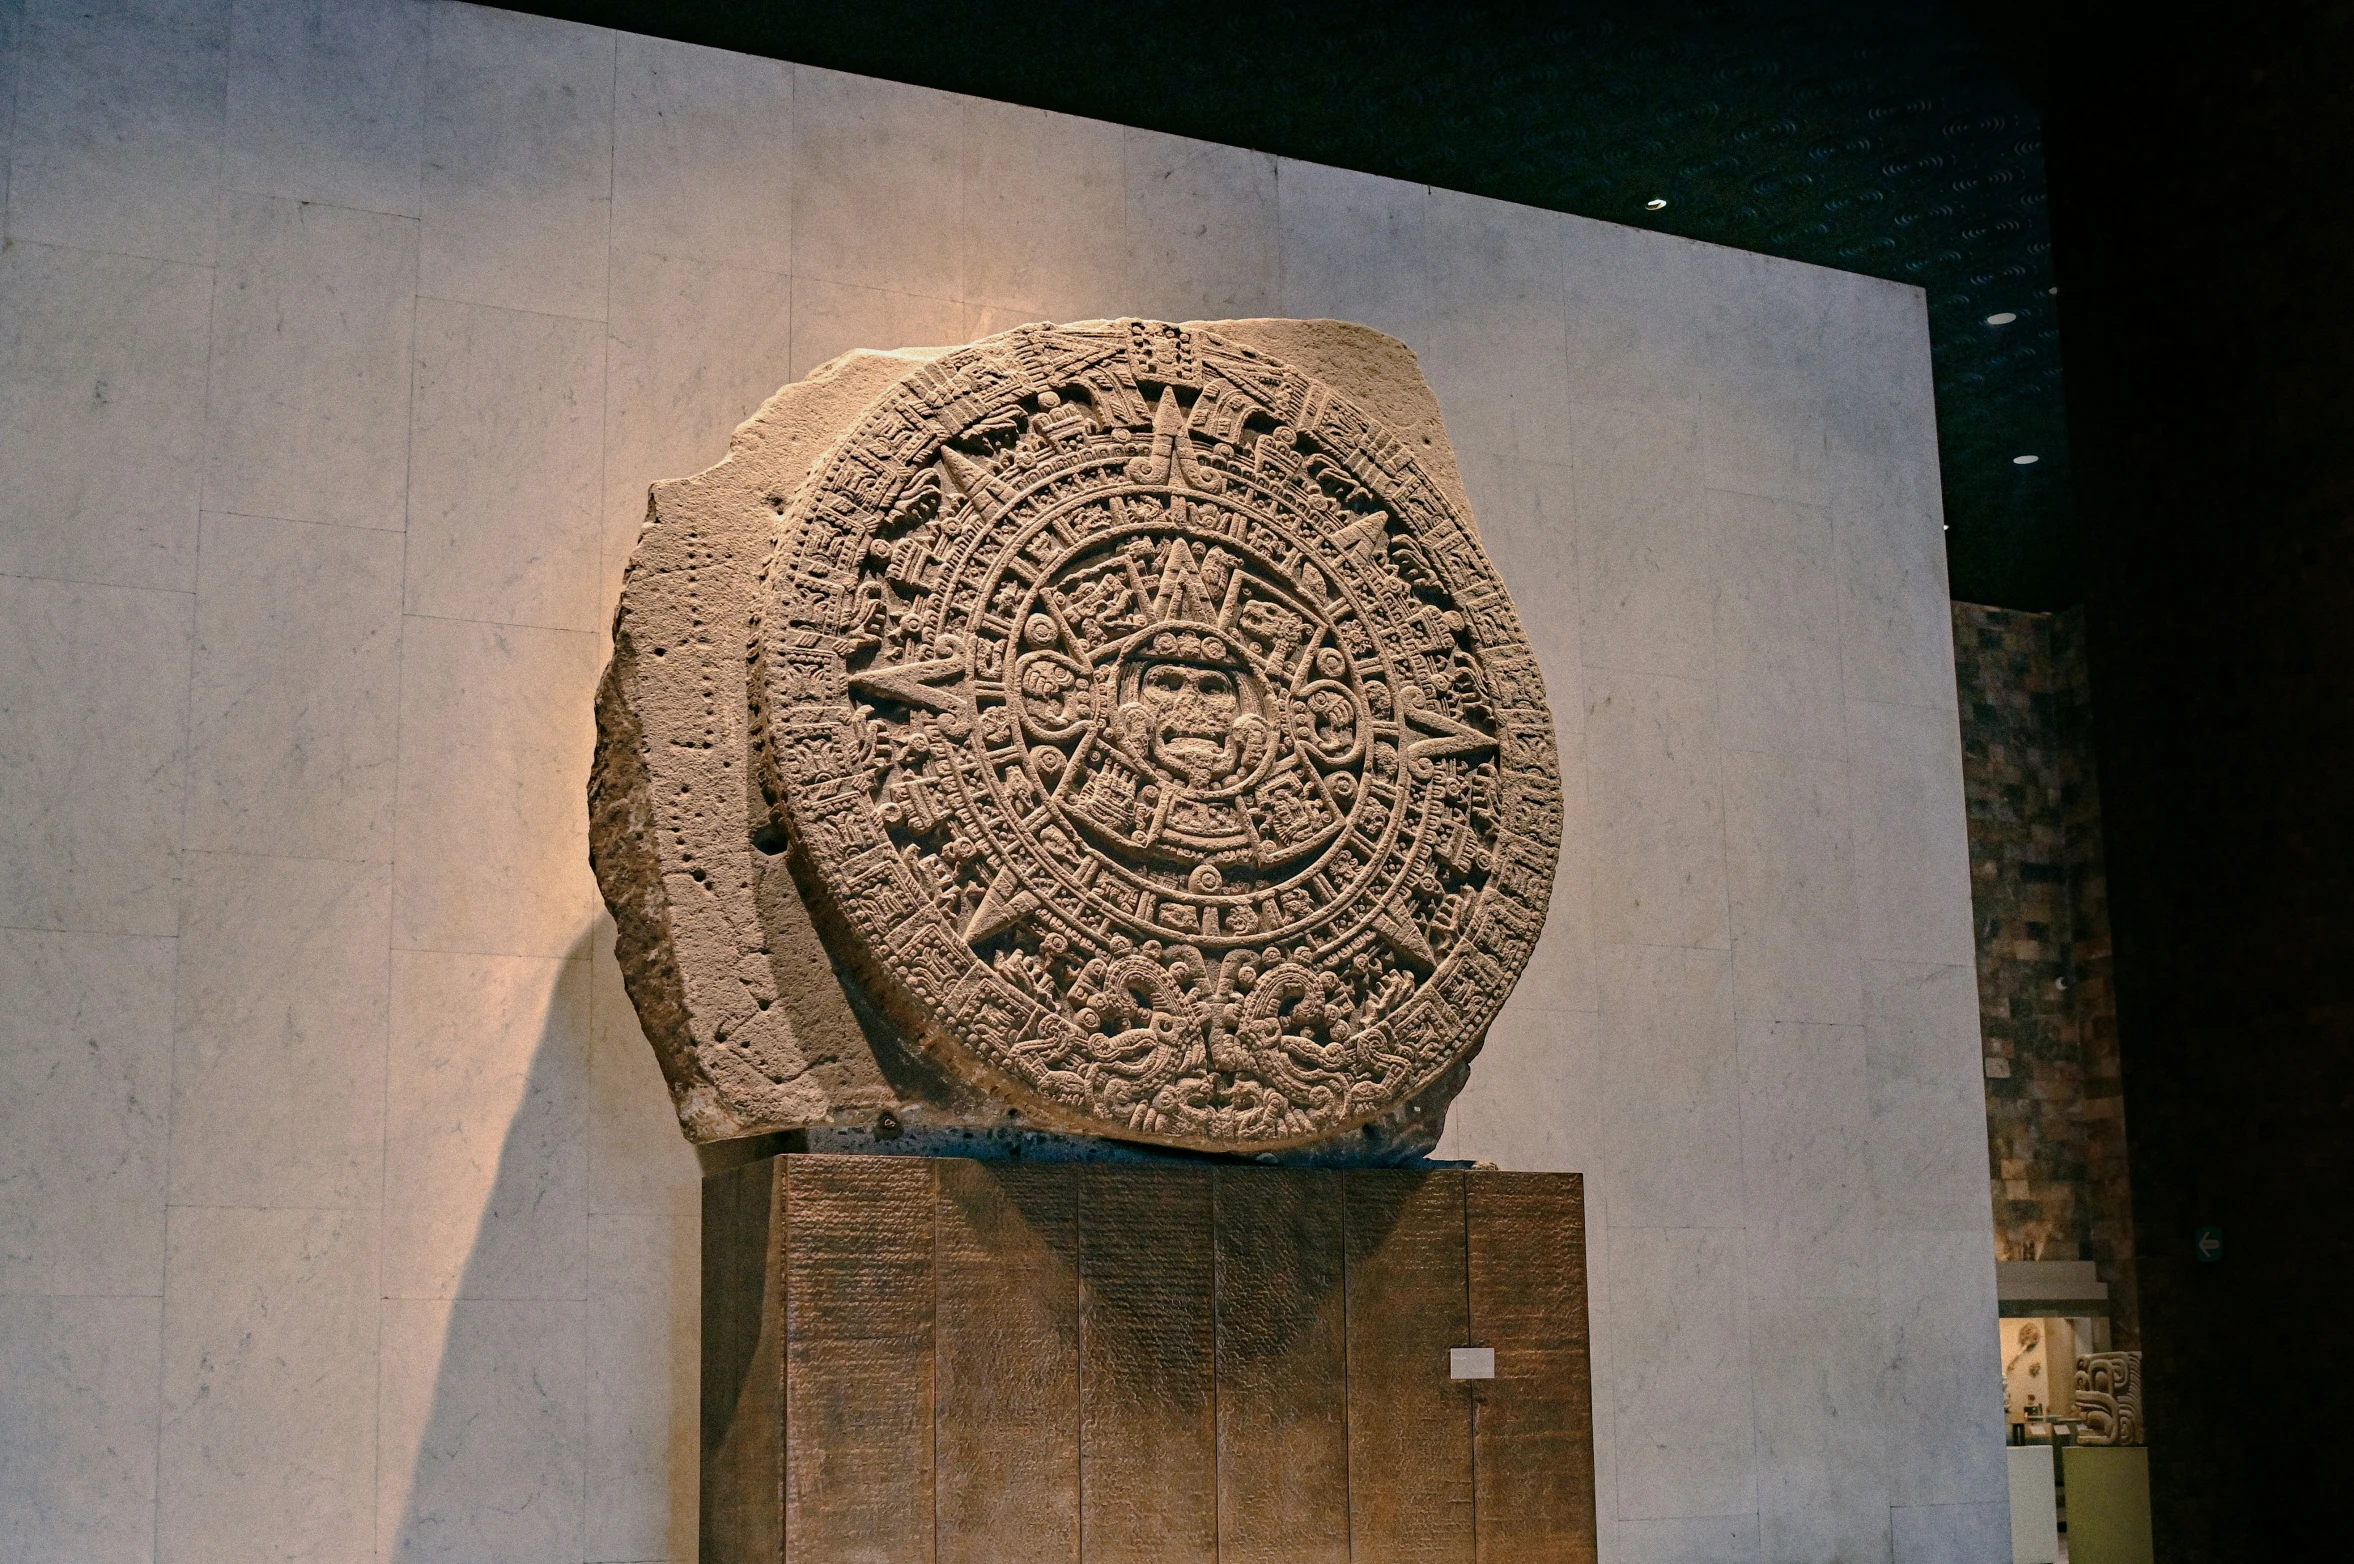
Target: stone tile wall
(341,1214)
(2054,1094)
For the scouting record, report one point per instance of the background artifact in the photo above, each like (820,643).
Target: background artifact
(1134,740)
(2108,1398)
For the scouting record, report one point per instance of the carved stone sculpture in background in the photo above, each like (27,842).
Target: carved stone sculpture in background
(1150,735)
(2108,1398)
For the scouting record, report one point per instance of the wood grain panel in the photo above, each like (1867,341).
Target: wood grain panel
(1283,1429)
(951,1362)
(1147,1399)
(1410,1473)
(1533,1440)
(858,1360)
(1008,1355)
(743,1493)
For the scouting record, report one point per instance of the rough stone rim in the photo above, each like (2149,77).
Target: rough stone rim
(1527,730)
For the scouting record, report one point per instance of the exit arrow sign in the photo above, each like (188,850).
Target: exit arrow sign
(2207,1244)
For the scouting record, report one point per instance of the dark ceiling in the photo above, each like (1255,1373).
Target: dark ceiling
(1875,137)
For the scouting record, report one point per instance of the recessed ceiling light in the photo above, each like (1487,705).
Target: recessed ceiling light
(2004,318)
(1656,204)
(2025,461)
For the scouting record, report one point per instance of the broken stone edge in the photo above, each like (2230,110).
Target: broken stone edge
(758,1025)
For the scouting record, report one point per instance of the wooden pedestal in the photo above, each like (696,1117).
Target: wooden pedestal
(961,1362)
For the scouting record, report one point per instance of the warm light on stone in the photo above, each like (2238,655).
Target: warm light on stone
(1154,742)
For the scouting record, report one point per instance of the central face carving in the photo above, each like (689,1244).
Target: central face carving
(1192,727)
(1192,712)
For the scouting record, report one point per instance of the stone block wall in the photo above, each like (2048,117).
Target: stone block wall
(2047,1007)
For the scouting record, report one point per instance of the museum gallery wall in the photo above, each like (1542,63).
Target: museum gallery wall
(343,1212)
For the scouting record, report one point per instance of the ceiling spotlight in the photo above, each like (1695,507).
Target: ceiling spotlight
(1656,204)
(2002,319)
(2025,461)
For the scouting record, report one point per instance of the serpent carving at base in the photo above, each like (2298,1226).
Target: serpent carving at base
(1149,735)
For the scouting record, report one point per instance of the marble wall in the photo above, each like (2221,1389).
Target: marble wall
(340,1212)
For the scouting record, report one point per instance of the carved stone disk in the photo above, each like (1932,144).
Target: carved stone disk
(1154,738)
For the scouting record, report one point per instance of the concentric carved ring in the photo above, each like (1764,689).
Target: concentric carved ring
(1158,738)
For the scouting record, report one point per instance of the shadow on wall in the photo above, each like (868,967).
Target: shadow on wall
(557,1419)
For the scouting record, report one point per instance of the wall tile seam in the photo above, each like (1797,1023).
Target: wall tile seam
(503,624)
(1706,682)
(1714,748)
(964,248)
(1127,230)
(14,239)
(1843,758)
(595,934)
(166,1171)
(400,672)
(1566,469)
(400,675)
(203,468)
(599,630)
(634,252)
(1956,1504)
(8,92)
(1031,314)
(793,92)
(893,293)
(301,521)
(26,928)
(259,1208)
(16,243)
(433,55)
(584,1297)
(247,855)
(1752,1018)
(1767,1298)
(93,932)
(104,586)
(1830,1026)
(1599,945)
(229,189)
(422,297)
(501,1300)
(1555,1010)
(398,949)
(1823,505)
(1976,1235)
(1973,1233)
(1954,712)
(1710,1515)
(188,850)
(672,1214)
(804,275)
